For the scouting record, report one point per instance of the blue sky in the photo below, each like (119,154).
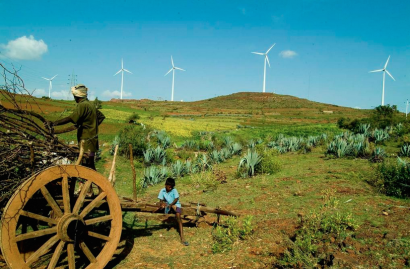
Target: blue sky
(334,45)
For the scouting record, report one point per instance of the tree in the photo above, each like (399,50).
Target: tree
(97,103)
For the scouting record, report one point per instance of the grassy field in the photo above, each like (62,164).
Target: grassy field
(359,226)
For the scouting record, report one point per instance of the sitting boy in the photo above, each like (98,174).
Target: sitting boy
(169,200)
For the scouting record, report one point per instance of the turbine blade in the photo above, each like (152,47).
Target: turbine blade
(179,68)
(127,71)
(53,77)
(267,59)
(259,53)
(387,62)
(390,75)
(117,72)
(169,71)
(270,48)
(45,78)
(172,61)
(379,70)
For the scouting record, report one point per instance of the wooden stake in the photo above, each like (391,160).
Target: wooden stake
(111,176)
(134,176)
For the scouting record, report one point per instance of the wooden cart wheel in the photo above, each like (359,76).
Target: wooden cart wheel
(45,225)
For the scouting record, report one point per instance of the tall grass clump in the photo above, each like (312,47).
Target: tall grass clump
(405,150)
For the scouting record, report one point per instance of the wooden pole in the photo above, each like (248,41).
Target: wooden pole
(134,176)
(111,177)
(80,156)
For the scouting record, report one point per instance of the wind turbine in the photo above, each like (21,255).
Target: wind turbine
(264,68)
(384,70)
(51,85)
(173,76)
(122,75)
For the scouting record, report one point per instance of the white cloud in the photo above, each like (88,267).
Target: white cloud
(357,107)
(61,95)
(115,94)
(288,54)
(39,93)
(24,48)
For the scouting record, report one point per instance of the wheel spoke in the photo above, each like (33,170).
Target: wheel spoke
(56,255)
(51,201)
(81,197)
(42,250)
(70,256)
(35,234)
(38,217)
(87,252)
(99,236)
(66,194)
(97,220)
(91,205)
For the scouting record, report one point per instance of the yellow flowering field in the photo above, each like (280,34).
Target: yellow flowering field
(184,127)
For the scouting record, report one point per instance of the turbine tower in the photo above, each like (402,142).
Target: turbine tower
(122,75)
(264,68)
(50,86)
(384,70)
(173,76)
(407,106)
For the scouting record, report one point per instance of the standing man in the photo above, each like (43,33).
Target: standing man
(86,117)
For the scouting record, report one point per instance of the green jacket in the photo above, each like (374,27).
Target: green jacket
(87,118)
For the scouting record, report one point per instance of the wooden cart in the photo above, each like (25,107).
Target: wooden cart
(46,224)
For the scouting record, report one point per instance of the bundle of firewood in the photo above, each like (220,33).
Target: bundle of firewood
(27,145)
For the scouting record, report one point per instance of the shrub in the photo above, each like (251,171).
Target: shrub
(327,224)
(393,179)
(270,163)
(134,135)
(133,118)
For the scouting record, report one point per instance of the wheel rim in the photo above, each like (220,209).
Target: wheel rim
(80,232)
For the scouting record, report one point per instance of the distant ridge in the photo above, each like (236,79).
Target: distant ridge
(243,100)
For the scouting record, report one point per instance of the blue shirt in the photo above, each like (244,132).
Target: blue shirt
(169,197)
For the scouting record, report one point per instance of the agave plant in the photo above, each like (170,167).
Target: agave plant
(405,150)
(190,144)
(178,169)
(225,154)
(249,162)
(115,142)
(227,141)
(215,156)
(251,144)
(202,163)
(164,140)
(380,135)
(148,155)
(363,128)
(236,149)
(159,155)
(152,175)
(378,155)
